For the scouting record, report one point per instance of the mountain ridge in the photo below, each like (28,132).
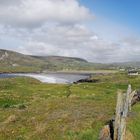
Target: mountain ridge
(11,61)
(17,62)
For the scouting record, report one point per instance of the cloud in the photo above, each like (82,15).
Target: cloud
(57,27)
(79,41)
(32,13)
(9,2)
(69,40)
(74,40)
(130,49)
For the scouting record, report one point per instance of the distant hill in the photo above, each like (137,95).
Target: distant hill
(64,63)
(131,64)
(11,58)
(16,62)
(60,59)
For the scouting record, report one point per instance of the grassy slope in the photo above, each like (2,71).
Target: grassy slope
(69,63)
(61,112)
(15,62)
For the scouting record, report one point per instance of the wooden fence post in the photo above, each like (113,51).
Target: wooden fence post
(119,109)
(122,109)
(131,98)
(124,102)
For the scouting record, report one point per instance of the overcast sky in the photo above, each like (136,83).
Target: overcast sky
(96,30)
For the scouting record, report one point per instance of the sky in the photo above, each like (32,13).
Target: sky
(97,30)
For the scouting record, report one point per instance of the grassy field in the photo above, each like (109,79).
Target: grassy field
(30,110)
(19,69)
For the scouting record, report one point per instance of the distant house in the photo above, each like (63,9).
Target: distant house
(121,69)
(133,72)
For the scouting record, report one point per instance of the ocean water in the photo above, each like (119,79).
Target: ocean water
(50,78)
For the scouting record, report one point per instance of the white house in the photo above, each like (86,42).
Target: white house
(133,72)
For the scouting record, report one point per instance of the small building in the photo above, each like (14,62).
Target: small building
(133,72)
(121,69)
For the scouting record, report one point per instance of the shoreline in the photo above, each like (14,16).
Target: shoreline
(49,77)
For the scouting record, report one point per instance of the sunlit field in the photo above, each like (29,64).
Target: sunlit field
(30,109)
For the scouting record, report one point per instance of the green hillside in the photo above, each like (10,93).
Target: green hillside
(15,62)
(68,63)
